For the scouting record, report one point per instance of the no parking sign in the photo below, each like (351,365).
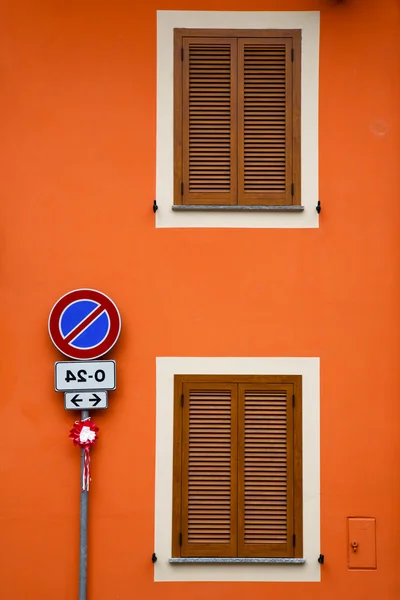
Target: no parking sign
(84,324)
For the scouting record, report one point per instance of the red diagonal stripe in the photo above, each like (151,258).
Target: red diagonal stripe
(89,319)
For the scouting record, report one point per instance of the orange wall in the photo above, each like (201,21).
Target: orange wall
(77,110)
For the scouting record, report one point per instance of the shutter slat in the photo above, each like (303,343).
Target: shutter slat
(208,471)
(209,121)
(265,470)
(265,121)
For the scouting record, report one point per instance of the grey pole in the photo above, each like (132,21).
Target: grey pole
(83,529)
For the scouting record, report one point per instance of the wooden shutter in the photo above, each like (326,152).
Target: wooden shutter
(237,117)
(209,470)
(265,478)
(209,121)
(265,112)
(237,480)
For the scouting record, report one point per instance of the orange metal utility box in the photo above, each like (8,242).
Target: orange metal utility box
(362,543)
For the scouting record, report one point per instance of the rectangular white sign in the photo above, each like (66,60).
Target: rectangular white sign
(85,400)
(88,375)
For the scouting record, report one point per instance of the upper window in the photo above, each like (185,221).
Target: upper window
(237,484)
(237,117)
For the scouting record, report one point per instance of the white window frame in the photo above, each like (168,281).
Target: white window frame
(308,22)
(166,369)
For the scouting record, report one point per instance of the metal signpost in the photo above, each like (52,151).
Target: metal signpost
(84,324)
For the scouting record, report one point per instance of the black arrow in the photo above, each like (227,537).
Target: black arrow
(76,400)
(95,399)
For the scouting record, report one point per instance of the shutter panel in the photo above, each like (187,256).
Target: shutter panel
(265,114)
(265,477)
(209,147)
(209,470)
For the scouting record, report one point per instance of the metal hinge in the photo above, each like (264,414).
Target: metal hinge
(292,189)
(293,400)
(182,53)
(182,399)
(180,539)
(181,188)
(294,539)
(292,54)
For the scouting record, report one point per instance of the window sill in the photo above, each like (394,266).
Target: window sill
(274,561)
(235,208)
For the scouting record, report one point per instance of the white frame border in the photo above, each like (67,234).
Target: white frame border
(166,368)
(308,22)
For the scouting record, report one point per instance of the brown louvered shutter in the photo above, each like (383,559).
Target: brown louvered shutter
(209,121)
(237,480)
(265,113)
(209,470)
(237,96)
(265,473)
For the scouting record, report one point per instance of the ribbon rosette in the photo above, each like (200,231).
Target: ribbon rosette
(84,434)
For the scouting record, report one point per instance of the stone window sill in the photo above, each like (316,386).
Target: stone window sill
(234,208)
(274,561)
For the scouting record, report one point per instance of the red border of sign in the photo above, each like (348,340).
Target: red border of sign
(106,344)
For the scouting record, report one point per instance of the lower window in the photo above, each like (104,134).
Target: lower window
(237,479)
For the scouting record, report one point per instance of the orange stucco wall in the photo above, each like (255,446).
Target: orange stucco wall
(78,135)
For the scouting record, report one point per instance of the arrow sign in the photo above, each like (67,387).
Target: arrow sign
(85,400)
(76,400)
(96,399)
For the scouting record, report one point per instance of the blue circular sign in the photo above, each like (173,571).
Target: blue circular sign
(84,324)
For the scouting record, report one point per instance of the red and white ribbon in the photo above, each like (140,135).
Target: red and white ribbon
(86,470)
(84,434)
